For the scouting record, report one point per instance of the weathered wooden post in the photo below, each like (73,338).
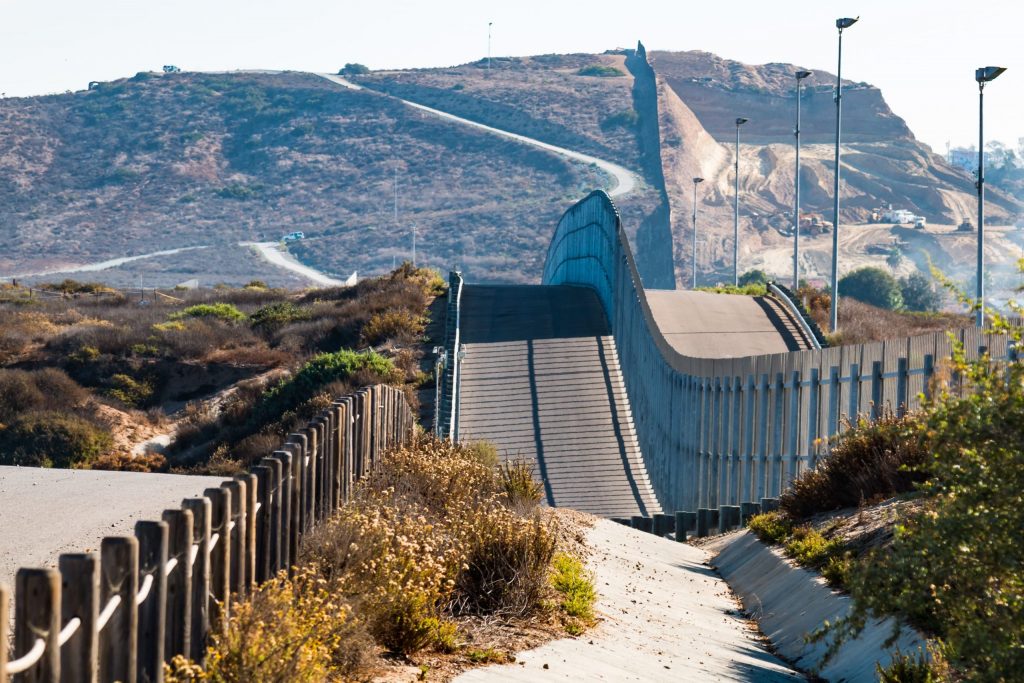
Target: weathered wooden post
(285,488)
(295,488)
(202,512)
(238,539)
(80,597)
(220,555)
(178,632)
(37,616)
(274,517)
(250,529)
(264,477)
(304,507)
(119,613)
(153,604)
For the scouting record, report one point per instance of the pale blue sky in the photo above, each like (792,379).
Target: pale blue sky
(922,54)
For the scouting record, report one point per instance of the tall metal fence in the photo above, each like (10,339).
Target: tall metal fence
(720,432)
(447,412)
(117,615)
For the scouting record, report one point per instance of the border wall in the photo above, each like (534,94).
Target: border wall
(719,432)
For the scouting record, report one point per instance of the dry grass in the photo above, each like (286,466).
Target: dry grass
(860,323)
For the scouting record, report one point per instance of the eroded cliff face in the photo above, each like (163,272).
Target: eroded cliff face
(699,97)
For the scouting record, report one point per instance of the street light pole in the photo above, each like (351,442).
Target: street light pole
(983,76)
(489,24)
(840,24)
(736,210)
(800,75)
(696,182)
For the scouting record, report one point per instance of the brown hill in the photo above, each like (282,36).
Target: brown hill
(164,161)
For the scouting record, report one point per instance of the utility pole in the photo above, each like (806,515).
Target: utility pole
(983,76)
(696,182)
(414,245)
(489,24)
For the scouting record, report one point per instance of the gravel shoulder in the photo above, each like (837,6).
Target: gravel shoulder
(664,616)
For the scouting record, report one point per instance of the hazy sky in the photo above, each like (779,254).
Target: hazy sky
(922,54)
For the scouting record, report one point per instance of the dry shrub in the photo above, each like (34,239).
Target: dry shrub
(507,562)
(290,630)
(396,324)
(521,489)
(126,462)
(429,536)
(870,460)
(48,389)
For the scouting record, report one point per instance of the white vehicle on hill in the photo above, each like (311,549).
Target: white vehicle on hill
(294,236)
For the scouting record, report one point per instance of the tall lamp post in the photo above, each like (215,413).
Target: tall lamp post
(840,24)
(736,211)
(800,75)
(489,24)
(696,182)
(983,76)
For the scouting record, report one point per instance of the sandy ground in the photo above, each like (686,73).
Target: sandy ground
(665,616)
(273,254)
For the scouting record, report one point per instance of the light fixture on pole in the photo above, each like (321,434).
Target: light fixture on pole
(696,182)
(489,24)
(800,75)
(983,76)
(736,210)
(840,24)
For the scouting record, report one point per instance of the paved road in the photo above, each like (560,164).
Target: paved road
(665,616)
(46,512)
(625,180)
(541,380)
(707,325)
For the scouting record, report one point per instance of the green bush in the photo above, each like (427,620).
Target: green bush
(954,569)
(132,392)
(872,286)
(575,586)
(753,277)
(771,527)
(920,293)
(369,366)
(870,460)
(753,289)
(522,490)
(220,311)
(51,439)
(353,69)
(601,71)
(276,315)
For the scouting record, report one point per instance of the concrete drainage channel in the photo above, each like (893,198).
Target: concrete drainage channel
(788,602)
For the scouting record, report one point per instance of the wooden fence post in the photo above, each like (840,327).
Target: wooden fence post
(5,606)
(220,555)
(250,529)
(153,609)
(285,497)
(37,615)
(263,488)
(274,514)
(237,535)
(80,597)
(202,511)
(178,629)
(297,443)
(119,577)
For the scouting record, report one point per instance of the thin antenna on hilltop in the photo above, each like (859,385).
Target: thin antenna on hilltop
(414,245)
(489,24)
(396,196)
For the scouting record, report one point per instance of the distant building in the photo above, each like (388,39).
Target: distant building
(963,157)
